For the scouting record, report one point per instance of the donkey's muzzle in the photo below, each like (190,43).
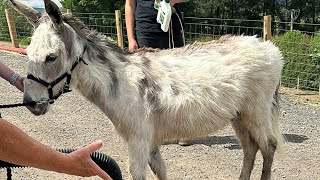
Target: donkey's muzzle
(38,108)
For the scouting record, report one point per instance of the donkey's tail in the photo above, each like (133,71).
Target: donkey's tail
(275,120)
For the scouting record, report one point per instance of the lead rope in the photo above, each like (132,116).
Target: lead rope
(9,173)
(32,103)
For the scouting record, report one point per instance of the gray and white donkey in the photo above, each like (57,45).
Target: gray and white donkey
(156,95)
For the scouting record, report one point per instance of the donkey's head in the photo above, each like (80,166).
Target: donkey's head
(53,53)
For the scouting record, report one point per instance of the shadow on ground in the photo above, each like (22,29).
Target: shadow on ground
(232,143)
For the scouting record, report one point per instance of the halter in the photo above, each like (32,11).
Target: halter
(67,75)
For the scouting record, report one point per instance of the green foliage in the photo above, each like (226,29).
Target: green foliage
(316,48)
(4,34)
(24,29)
(93,6)
(298,49)
(24,41)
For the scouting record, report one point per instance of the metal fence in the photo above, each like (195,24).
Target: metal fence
(24,28)
(102,22)
(4,31)
(301,49)
(204,29)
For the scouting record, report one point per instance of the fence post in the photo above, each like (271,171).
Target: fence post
(267,28)
(12,28)
(119,28)
(69,12)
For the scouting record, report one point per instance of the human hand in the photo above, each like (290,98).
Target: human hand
(81,163)
(133,45)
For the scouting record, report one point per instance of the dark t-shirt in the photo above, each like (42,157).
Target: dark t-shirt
(146,17)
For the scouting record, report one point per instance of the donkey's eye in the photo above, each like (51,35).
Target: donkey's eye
(51,58)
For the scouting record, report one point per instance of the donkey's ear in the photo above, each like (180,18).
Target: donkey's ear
(54,13)
(32,15)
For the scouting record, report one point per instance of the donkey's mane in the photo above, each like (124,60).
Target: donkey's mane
(95,39)
(99,41)
(86,33)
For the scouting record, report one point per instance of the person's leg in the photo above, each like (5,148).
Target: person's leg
(147,39)
(178,38)
(170,40)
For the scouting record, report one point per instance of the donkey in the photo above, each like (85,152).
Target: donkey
(156,95)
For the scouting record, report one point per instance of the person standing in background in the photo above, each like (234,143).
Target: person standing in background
(143,30)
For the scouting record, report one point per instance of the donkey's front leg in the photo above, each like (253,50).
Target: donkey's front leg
(139,149)
(157,164)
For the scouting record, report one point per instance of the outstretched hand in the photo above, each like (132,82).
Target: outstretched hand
(82,164)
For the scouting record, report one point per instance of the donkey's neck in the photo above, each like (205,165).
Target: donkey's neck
(99,80)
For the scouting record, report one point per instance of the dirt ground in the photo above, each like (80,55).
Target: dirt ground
(73,122)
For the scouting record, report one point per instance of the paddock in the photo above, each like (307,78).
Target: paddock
(74,122)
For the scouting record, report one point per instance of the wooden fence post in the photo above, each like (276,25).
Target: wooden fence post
(119,28)
(12,28)
(267,28)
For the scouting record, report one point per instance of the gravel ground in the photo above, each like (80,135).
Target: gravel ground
(73,122)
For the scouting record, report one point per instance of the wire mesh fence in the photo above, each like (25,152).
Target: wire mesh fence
(4,30)
(300,48)
(204,29)
(23,27)
(301,51)
(104,23)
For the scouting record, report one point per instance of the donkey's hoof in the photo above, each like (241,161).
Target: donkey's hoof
(184,142)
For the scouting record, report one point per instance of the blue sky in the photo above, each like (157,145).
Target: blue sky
(39,3)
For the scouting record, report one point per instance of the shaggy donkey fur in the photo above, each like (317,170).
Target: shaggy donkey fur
(152,95)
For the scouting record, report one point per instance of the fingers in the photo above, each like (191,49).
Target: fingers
(101,173)
(93,146)
(133,47)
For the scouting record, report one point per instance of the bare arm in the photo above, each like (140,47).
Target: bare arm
(19,148)
(6,73)
(130,8)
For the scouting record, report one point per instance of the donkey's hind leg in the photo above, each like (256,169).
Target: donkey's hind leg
(249,147)
(259,125)
(157,164)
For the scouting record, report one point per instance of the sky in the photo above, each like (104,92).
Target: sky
(39,3)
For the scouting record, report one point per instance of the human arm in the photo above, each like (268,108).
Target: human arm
(19,148)
(130,8)
(6,73)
